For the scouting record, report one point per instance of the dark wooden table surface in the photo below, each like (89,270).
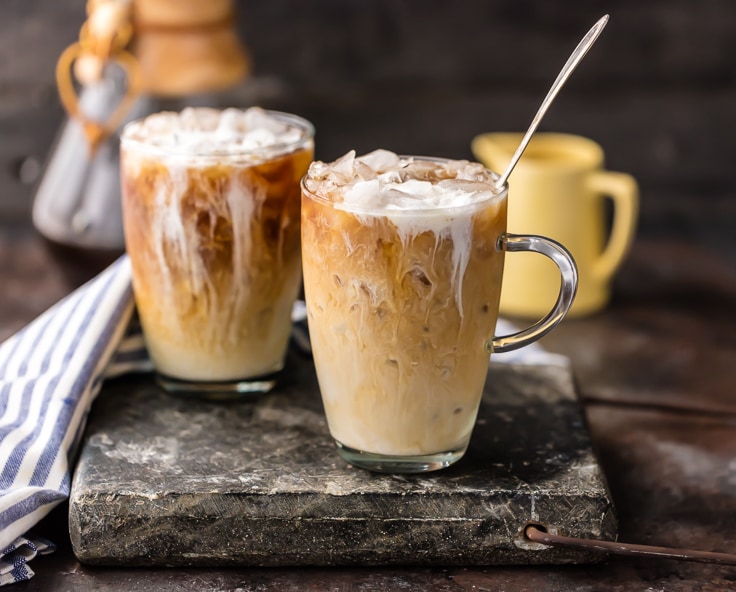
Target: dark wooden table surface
(657,374)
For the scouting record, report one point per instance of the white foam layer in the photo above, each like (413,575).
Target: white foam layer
(382,181)
(200,130)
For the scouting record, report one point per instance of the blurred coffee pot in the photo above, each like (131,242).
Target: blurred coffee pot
(133,58)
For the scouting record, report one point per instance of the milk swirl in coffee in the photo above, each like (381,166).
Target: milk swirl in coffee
(211,212)
(402,276)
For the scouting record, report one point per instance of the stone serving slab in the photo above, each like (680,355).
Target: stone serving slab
(163,480)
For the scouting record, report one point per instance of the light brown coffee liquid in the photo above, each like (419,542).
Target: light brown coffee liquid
(399,318)
(215,252)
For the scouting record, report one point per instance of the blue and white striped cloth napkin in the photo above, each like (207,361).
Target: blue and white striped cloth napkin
(14,559)
(51,371)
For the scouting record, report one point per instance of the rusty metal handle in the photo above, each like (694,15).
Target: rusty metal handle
(536,534)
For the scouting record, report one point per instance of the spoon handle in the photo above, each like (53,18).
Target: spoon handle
(572,62)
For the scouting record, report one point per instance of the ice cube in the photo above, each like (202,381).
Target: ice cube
(198,119)
(363,171)
(417,188)
(255,138)
(230,122)
(464,185)
(343,166)
(380,160)
(363,193)
(470,170)
(397,199)
(257,118)
(421,169)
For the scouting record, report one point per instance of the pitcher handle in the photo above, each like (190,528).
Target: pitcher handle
(568,287)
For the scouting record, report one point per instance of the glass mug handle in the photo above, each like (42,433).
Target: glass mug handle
(568,287)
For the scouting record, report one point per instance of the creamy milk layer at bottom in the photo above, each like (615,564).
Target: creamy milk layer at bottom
(400,307)
(216,261)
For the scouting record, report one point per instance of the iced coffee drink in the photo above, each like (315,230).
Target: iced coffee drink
(402,277)
(403,260)
(211,217)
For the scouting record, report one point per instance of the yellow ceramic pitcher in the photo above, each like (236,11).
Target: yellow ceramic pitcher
(558,189)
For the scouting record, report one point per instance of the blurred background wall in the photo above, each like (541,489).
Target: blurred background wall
(658,90)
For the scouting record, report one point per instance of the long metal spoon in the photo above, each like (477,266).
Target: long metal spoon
(572,62)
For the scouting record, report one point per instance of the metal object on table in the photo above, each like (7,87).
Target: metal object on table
(537,533)
(575,58)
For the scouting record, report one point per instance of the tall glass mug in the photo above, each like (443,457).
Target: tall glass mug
(211,218)
(403,259)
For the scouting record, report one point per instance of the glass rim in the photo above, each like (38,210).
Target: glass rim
(496,195)
(273,150)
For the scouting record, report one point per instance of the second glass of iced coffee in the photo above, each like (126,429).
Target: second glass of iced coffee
(403,260)
(211,216)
